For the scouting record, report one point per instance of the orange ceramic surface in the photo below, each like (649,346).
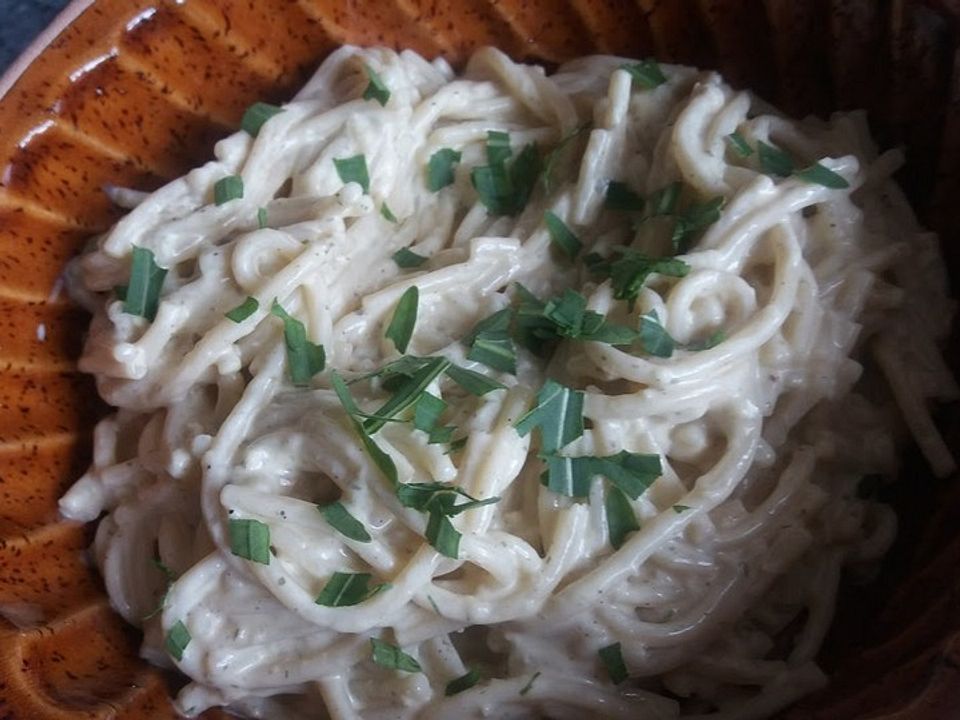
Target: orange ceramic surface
(134,92)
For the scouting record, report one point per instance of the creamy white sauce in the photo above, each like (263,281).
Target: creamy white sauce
(763,437)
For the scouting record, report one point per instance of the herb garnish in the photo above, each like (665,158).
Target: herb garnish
(353,169)
(376,89)
(664,200)
(427,412)
(692,220)
(340,519)
(464,682)
(505,190)
(490,342)
(554,155)
(612,658)
(680,508)
(387,213)
(142,293)
(408,259)
(561,235)
(473,382)
(256,115)
(628,270)
(774,161)
(178,638)
(558,414)
(380,458)
(646,73)
(346,589)
(819,174)
(440,168)
(621,520)
(261,218)
(170,577)
(739,144)
(654,338)
(400,329)
(250,539)
(304,358)
(439,500)
(227,189)
(244,310)
(392,657)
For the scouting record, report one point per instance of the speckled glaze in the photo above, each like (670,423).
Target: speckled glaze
(134,92)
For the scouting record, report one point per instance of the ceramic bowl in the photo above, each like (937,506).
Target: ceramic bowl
(134,92)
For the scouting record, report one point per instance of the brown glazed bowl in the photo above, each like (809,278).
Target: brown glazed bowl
(134,92)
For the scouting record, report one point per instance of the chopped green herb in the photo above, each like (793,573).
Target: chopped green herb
(490,342)
(442,535)
(621,520)
(612,658)
(628,270)
(773,160)
(464,682)
(646,73)
(498,147)
(440,168)
(407,393)
(565,316)
(715,339)
(554,155)
(387,213)
(440,435)
(170,577)
(408,259)
(692,220)
(457,445)
(392,657)
(680,508)
(473,382)
(304,358)
(227,189)
(568,476)
(244,310)
(632,473)
(821,175)
(178,637)
(400,329)
(340,519)
(250,539)
(664,200)
(380,458)
(142,294)
(503,190)
(561,235)
(256,115)
(739,144)
(438,497)
(375,90)
(620,196)
(526,688)
(346,589)
(427,412)
(353,169)
(654,338)
(559,415)
(261,218)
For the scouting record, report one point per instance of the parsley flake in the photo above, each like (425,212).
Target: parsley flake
(347,589)
(819,174)
(353,169)
(142,294)
(376,89)
(526,688)
(558,414)
(400,329)
(654,338)
(244,310)
(773,160)
(464,682)
(304,358)
(490,342)
(621,520)
(256,115)
(408,259)
(619,196)
(739,144)
(646,73)
(340,519)
(178,638)
(227,189)
(392,657)
(612,659)
(561,235)
(387,213)
(250,539)
(440,168)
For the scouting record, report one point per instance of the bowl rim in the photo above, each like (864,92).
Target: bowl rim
(40,43)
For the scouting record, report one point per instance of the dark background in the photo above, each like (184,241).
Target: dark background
(20,22)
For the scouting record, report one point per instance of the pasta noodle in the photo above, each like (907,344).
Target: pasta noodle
(771,352)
